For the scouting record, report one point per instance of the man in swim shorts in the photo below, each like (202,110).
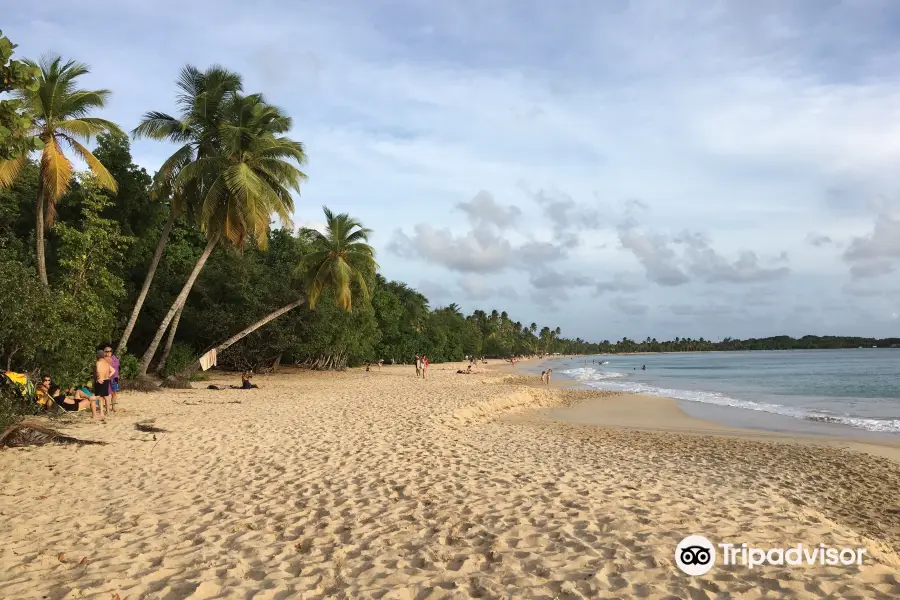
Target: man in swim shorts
(103,373)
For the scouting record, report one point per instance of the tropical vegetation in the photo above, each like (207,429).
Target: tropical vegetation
(112,253)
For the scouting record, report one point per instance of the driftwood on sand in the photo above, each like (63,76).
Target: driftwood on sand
(148,427)
(30,433)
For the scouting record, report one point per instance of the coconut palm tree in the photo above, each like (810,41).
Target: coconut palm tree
(342,257)
(59,111)
(202,96)
(247,174)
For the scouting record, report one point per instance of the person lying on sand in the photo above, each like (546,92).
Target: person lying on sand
(468,371)
(75,400)
(245,384)
(72,400)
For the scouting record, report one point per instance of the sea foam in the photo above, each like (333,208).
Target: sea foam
(614,380)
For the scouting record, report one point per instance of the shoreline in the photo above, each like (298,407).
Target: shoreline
(628,410)
(732,419)
(382,485)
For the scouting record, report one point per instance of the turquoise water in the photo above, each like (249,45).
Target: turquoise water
(858,388)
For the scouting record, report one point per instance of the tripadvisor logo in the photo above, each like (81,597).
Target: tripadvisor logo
(696,555)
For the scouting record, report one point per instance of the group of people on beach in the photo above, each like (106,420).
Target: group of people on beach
(101,398)
(421,366)
(545,376)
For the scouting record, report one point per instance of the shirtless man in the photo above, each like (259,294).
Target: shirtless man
(418,365)
(103,372)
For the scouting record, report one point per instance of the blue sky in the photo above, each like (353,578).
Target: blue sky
(652,168)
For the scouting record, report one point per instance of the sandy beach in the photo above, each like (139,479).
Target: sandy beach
(380,485)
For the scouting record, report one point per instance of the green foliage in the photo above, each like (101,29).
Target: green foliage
(92,248)
(15,76)
(56,330)
(180,357)
(129,366)
(29,310)
(42,330)
(17,214)
(13,407)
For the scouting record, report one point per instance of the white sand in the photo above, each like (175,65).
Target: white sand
(385,486)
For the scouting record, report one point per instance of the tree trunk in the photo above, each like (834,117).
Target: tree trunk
(151,272)
(179,301)
(39,237)
(173,327)
(195,366)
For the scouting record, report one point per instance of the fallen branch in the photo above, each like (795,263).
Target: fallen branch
(147,427)
(29,433)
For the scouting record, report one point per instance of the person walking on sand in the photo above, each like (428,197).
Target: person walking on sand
(103,372)
(114,380)
(543,376)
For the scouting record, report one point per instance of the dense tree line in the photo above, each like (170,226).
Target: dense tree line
(169,265)
(172,264)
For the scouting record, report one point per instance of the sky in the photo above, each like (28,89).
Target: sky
(652,168)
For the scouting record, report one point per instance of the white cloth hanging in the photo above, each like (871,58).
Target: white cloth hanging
(208,360)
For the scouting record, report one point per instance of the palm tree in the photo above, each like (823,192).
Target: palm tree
(201,98)
(245,176)
(342,257)
(59,113)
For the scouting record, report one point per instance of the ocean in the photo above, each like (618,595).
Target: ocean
(793,390)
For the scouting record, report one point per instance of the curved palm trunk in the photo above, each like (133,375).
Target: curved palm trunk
(194,366)
(169,340)
(39,237)
(151,273)
(176,306)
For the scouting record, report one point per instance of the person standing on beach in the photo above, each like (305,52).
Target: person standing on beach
(103,372)
(114,380)
(424,366)
(543,375)
(418,365)
(548,376)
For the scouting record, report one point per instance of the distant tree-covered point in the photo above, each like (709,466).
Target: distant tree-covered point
(778,342)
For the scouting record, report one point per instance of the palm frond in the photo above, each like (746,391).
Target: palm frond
(104,178)
(56,174)
(160,126)
(164,179)
(87,127)
(79,103)
(9,170)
